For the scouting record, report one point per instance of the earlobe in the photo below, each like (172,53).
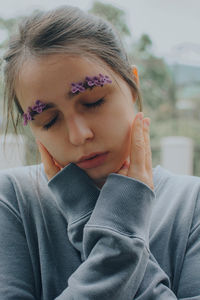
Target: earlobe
(136,76)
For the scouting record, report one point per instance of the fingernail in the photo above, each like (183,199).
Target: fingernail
(147,123)
(140,116)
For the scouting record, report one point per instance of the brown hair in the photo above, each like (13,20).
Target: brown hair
(69,30)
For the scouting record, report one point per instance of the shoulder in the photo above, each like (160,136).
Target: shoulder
(25,172)
(163,177)
(18,185)
(177,185)
(179,195)
(21,177)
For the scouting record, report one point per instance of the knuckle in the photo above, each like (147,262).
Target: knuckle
(148,152)
(146,129)
(139,144)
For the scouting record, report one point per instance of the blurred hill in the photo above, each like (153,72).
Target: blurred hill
(185,74)
(187,81)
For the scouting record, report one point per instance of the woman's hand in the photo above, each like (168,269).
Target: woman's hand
(51,167)
(139,163)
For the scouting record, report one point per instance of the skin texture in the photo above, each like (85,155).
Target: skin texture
(79,129)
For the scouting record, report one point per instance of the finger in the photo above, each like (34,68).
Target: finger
(49,167)
(124,169)
(137,152)
(148,155)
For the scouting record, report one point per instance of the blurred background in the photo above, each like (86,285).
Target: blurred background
(162,39)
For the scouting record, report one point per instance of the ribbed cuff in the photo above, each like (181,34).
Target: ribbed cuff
(75,192)
(124,205)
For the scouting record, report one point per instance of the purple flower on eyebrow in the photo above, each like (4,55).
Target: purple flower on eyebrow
(104,79)
(97,81)
(38,107)
(77,87)
(90,82)
(27,117)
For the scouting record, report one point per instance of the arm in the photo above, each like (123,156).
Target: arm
(109,242)
(115,240)
(16,274)
(104,246)
(156,284)
(189,282)
(110,253)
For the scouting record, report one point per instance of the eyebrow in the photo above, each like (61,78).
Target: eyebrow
(69,96)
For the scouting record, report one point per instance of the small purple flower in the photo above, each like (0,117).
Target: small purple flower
(96,81)
(104,79)
(77,87)
(89,81)
(107,79)
(38,107)
(27,117)
(74,88)
(80,87)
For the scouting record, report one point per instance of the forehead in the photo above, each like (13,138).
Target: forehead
(58,67)
(42,78)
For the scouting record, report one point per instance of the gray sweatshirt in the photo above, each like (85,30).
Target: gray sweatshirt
(65,239)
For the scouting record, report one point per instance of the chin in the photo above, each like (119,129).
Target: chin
(101,173)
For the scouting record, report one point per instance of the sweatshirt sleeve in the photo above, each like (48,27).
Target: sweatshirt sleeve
(189,282)
(117,262)
(115,244)
(156,284)
(16,273)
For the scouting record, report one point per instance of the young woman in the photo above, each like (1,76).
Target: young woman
(93,220)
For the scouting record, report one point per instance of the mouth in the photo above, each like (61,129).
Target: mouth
(92,161)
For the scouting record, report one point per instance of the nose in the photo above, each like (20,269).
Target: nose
(78,130)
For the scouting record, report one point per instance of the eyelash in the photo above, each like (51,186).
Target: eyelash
(88,105)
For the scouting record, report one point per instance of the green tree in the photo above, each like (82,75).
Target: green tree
(156,82)
(144,44)
(7,25)
(112,14)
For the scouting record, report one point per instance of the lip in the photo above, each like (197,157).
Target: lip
(86,163)
(89,156)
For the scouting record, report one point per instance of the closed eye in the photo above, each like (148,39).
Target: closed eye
(88,105)
(47,126)
(95,104)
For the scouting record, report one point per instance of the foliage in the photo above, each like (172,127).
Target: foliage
(156,82)
(9,26)
(112,14)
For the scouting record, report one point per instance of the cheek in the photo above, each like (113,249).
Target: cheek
(116,128)
(126,141)
(126,134)
(49,143)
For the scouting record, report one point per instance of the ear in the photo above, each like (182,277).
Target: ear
(136,76)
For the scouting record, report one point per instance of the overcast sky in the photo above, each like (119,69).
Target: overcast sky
(173,25)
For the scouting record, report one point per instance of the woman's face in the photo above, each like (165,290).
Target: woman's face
(79,130)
